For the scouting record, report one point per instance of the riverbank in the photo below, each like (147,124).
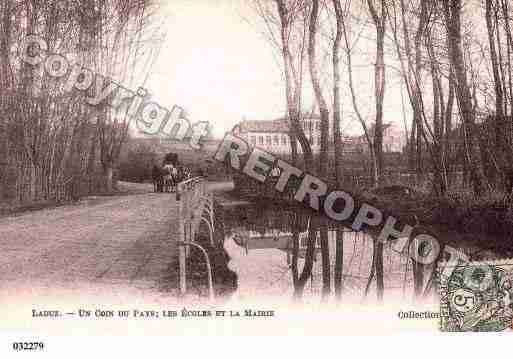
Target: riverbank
(261,214)
(458,218)
(461,218)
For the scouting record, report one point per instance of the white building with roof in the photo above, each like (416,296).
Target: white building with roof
(272,136)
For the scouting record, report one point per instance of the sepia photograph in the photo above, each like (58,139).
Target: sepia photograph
(254,167)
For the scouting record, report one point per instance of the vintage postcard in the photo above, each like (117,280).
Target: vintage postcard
(255,167)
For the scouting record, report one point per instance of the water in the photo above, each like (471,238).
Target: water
(259,243)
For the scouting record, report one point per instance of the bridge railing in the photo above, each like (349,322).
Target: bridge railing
(195,206)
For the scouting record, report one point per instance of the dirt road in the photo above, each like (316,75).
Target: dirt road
(100,244)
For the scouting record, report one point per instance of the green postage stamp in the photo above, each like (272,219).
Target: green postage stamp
(476,296)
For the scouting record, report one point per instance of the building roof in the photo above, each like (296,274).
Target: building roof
(354,140)
(373,128)
(277,125)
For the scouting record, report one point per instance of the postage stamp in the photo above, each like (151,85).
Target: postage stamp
(476,296)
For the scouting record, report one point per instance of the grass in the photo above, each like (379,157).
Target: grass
(490,214)
(9,208)
(13,207)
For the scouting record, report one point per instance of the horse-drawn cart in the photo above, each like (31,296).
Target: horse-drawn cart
(166,178)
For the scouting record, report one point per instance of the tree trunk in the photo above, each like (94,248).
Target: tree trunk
(108,177)
(339,262)
(379,84)
(452,10)
(323,160)
(378,258)
(6,75)
(325,255)
(292,86)
(309,259)
(502,149)
(374,166)
(337,144)
(33,182)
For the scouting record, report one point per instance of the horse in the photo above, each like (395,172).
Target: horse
(188,173)
(170,178)
(158,179)
(184,173)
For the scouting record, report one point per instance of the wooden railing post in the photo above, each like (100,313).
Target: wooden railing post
(181,238)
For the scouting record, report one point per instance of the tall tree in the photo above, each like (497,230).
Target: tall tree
(502,79)
(452,16)
(323,160)
(348,48)
(337,143)
(378,14)
(377,9)
(293,87)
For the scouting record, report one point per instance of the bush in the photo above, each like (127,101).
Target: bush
(137,165)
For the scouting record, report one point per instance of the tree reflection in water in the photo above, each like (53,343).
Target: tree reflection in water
(351,264)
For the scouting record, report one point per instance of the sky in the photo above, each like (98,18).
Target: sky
(216,64)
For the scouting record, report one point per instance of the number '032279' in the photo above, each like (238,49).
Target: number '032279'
(26,346)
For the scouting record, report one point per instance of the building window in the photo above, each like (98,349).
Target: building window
(260,140)
(283,139)
(318,140)
(276,140)
(317,125)
(310,140)
(305,126)
(310,126)
(268,140)
(253,140)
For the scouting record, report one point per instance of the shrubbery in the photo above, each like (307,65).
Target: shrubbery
(137,165)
